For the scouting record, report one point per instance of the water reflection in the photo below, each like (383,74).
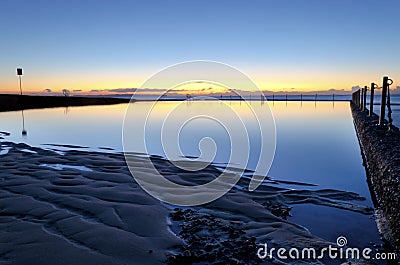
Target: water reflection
(316,143)
(24,132)
(66,110)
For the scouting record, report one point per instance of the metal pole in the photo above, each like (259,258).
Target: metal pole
(20,84)
(371,100)
(383,100)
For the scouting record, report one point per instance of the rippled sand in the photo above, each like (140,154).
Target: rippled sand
(77,207)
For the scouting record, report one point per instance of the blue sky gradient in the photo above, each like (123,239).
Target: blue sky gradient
(307,45)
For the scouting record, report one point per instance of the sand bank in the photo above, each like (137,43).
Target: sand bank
(22,102)
(77,207)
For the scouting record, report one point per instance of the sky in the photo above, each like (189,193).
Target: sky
(285,45)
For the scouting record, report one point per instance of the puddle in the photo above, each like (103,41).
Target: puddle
(62,167)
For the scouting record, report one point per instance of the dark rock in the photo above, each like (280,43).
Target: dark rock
(381,149)
(212,240)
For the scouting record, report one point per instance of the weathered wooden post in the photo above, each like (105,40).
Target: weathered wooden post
(355,97)
(362,99)
(365,99)
(19,73)
(371,99)
(383,100)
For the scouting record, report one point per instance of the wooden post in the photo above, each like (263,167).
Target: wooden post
(355,97)
(371,100)
(365,99)
(383,100)
(362,99)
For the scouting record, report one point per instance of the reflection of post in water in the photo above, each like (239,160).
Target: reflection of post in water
(301,100)
(24,132)
(188,100)
(66,110)
(315,105)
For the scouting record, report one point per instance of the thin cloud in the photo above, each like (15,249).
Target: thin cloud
(122,90)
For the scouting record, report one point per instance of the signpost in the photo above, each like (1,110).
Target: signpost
(19,73)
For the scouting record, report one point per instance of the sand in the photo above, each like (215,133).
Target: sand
(11,102)
(81,207)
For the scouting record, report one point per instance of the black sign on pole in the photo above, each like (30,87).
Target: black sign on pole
(19,73)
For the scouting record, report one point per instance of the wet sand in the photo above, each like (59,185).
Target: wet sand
(78,207)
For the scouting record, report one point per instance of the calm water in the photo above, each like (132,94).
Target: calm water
(395,99)
(316,143)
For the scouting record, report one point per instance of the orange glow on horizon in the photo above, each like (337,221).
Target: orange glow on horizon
(100,84)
